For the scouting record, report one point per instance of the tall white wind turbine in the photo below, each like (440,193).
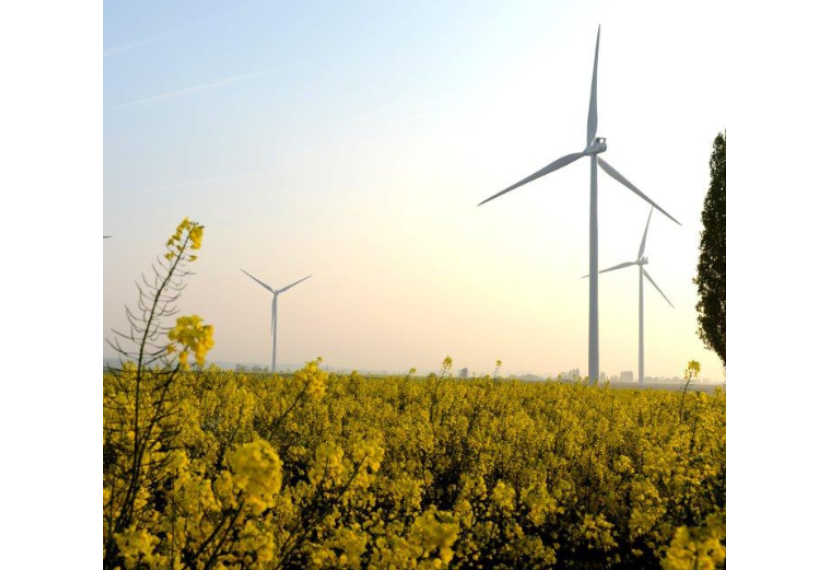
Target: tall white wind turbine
(276,293)
(594,147)
(641,262)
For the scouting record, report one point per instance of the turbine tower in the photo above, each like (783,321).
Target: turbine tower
(276,293)
(594,147)
(641,262)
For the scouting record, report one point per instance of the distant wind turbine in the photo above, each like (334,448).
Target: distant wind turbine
(276,293)
(641,262)
(594,147)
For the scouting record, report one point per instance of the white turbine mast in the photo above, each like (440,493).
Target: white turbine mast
(276,293)
(594,147)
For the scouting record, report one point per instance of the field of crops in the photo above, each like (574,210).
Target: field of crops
(323,471)
(210,469)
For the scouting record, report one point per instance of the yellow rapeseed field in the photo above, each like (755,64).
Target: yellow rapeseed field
(211,469)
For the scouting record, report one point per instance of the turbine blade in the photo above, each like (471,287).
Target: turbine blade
(284,289)
(656,287)
(555,165)
(592,109)
(257,280)
(645,233)
(622,180)
(620,266)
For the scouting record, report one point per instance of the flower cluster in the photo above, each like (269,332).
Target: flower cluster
(186,239)
(699,548)
(257,474)
(190,336)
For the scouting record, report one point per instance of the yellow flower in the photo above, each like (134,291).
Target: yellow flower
(136,546)
(313,379)
(696,549)
(257,474)
(191,335)
(187,234)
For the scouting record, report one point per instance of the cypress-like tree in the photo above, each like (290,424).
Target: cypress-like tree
(711,268)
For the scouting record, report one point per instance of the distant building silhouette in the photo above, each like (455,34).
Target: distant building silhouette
(627,376)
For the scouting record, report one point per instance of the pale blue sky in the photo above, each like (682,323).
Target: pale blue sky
(353,140)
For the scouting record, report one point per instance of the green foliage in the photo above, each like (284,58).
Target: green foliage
(711,269)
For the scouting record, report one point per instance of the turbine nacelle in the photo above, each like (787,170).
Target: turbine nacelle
(643,261)
(596,147)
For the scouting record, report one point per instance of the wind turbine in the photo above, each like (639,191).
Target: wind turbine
(276,293)
(594,147)
(641,262)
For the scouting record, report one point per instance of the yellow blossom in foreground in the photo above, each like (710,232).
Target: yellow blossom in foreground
(257,473)
(697,549)
(136,546)
(190,335)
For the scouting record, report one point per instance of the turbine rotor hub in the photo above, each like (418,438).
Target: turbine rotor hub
(643,261)
(596,147)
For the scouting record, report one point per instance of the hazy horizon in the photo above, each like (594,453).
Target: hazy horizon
(353,142)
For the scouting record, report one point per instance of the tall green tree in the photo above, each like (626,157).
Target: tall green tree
(711,268)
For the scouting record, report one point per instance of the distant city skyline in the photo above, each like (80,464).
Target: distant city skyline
(365,138)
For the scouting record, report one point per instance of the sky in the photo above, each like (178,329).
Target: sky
(352,141)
